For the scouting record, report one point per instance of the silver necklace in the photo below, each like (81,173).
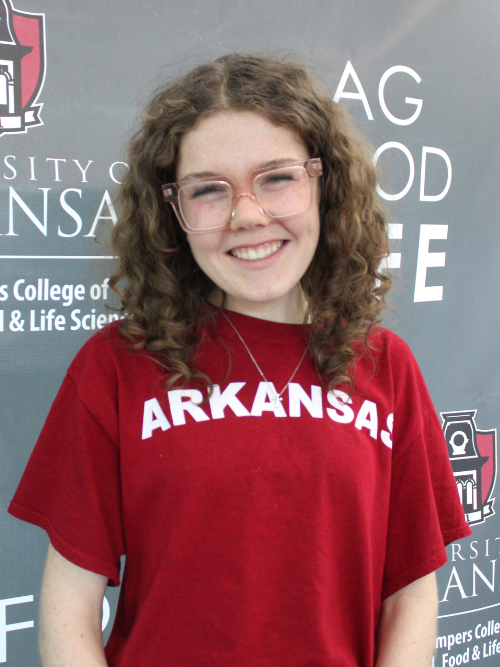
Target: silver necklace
(277,397)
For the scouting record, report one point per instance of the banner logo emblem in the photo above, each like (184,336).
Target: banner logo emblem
(22,68)
(473,457)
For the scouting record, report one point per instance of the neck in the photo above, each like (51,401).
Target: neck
(289,310)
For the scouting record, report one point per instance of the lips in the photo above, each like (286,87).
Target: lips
(257,252)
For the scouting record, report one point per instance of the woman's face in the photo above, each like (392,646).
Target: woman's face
(234,144)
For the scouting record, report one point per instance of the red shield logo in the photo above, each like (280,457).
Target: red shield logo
(473,457)
(22,68)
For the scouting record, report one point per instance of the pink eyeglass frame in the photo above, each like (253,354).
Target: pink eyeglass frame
(170,192)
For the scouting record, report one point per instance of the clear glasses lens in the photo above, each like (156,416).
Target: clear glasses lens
(281,192)
(205,205)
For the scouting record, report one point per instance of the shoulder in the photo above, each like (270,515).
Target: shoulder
(107,358)
(387,343)
(391,356)
(100,350)
(389,366)
(399,373)
(107,371)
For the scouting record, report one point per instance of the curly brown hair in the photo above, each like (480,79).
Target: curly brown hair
(164,292)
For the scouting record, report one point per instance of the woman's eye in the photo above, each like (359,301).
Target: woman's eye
(207,191)
(277,180)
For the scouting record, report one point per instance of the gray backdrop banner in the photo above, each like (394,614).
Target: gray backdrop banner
(420,79)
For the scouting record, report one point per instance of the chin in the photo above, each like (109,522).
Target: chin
(264,296)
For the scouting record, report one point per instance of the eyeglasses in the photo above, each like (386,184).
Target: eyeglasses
(208,204)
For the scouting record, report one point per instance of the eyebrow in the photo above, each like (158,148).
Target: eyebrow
(263,165)
(273,163)
(199,174)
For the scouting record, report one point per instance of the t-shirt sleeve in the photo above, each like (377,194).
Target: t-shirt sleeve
(71,485)
(425,512)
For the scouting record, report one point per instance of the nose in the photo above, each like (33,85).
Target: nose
(247,212)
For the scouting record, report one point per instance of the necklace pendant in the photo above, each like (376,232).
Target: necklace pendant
(277,397)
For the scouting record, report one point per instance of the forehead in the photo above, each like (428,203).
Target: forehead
(236,142)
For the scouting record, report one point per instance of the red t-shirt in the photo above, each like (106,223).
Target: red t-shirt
(255,536)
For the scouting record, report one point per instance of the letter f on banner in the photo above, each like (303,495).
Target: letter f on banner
(4,628)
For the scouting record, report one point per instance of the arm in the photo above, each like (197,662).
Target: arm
(408,625)
(71,610)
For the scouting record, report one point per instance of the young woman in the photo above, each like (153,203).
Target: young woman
(268,459)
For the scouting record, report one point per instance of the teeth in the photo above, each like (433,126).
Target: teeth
(257,252)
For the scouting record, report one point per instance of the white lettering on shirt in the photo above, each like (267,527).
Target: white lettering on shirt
(385,436)
(341,412)
(189,401)
(367,418)
(178,407)
(228,399)
(153,417)
(260,405)
(297,396)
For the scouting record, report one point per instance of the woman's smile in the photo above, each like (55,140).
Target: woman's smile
(251,253)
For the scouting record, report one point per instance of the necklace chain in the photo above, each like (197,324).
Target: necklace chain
(277,397)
